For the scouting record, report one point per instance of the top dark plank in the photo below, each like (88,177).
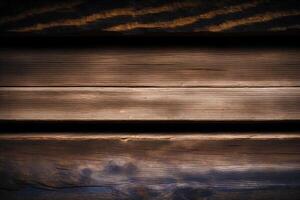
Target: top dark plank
(139,17)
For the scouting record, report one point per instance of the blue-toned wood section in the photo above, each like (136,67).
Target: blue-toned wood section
(151,166)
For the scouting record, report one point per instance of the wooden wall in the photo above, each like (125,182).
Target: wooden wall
(207,119)
(149,123)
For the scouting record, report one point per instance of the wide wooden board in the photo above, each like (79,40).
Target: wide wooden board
(93,103)
(157,67)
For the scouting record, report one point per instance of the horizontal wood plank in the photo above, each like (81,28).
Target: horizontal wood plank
(158,166)
(163,67)
(92,103)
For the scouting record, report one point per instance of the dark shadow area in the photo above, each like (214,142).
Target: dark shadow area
(95,39)
(170,126)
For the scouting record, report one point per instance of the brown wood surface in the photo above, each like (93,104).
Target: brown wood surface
(105,84)
(93,103)
(158,67)
(153,166)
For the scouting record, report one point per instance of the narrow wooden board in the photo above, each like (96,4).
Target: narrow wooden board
(159,166)
(92,103)
(163,67)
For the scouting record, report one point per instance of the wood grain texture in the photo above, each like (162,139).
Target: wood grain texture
(198,166)
(141,17)
(92,103)
(40,87)
(157,67)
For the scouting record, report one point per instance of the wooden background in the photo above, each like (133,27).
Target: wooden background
(156,121)
(150,84)
(149,123)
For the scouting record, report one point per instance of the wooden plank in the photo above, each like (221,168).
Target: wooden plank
(163,67)
(158,166)
(139,17)
(92,103)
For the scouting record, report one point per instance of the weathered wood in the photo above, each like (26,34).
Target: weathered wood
(140,17)
(93,103)
(159,166)
(145,84)
(176,67)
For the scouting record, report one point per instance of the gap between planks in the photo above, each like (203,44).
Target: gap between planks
(154,136)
